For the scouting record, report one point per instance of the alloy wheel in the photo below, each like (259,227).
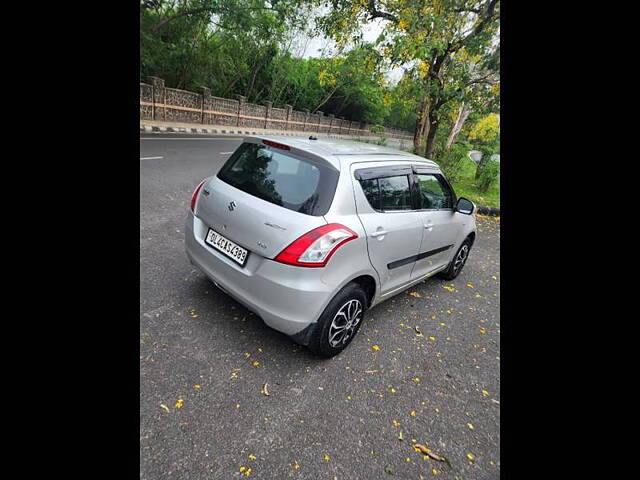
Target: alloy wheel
(345,322)
(461,258)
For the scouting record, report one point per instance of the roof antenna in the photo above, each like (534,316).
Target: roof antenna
(313,138)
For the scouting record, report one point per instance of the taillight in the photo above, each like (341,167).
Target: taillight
(314,249)
(194,197)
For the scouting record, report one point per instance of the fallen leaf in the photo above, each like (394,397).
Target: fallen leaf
(412,413)
(450,289)
(197,386)
(255,363)
(401,437)
(326,457)
(416,379)
(485,393)
(179,403)
(252,456)
(376,348)
(395,423)
(389,469)
(426,451)
(165,407)
(414,294)
(470,426)
(433,339)
(471,456)
(264,390)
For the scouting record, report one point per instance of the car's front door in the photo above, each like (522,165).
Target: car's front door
(385,205)
(440,224)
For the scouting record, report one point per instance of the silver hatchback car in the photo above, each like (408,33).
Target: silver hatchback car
(309,234)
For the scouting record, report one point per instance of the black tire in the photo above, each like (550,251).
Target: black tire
(454,269)
(352,297)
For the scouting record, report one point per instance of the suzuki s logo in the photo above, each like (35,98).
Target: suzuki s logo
(232,205)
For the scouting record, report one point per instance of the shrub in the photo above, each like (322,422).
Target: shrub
(379,129)
(488,173)
(452,161)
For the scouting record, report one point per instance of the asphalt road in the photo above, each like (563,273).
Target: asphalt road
(202,413)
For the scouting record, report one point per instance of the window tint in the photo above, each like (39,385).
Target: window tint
(372,192)
(434,194)
(395,193)
(386,193)
(293,183)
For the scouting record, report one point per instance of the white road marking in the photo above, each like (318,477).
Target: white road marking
(225,153)
(150,158)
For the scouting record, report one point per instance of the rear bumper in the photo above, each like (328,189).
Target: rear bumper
(287,298)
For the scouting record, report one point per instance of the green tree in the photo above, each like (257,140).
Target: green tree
(485,135)
(431,34)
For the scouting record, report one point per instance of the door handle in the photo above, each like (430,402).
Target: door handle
(378,233)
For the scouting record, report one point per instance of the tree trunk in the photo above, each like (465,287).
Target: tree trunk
(431,136)
(463,114)
(421,123)
(327,98)
(485,158)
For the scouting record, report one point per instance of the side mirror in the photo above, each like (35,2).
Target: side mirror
(465,206)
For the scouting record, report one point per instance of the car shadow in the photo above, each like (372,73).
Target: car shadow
(250,329)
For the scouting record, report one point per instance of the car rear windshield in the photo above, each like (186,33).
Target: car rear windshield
(278,177)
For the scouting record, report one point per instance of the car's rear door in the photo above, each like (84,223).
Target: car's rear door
(394,230)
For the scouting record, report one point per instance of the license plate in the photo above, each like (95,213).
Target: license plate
(226,246)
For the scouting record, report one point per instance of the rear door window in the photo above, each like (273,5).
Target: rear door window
(387,188)
(395,193)
(281,178)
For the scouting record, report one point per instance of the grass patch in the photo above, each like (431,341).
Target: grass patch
(466,186)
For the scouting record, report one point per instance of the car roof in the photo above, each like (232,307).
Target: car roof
(338,151)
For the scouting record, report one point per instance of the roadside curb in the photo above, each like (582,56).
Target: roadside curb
(234,132)
(490,211)
(202,131)
(242,132)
